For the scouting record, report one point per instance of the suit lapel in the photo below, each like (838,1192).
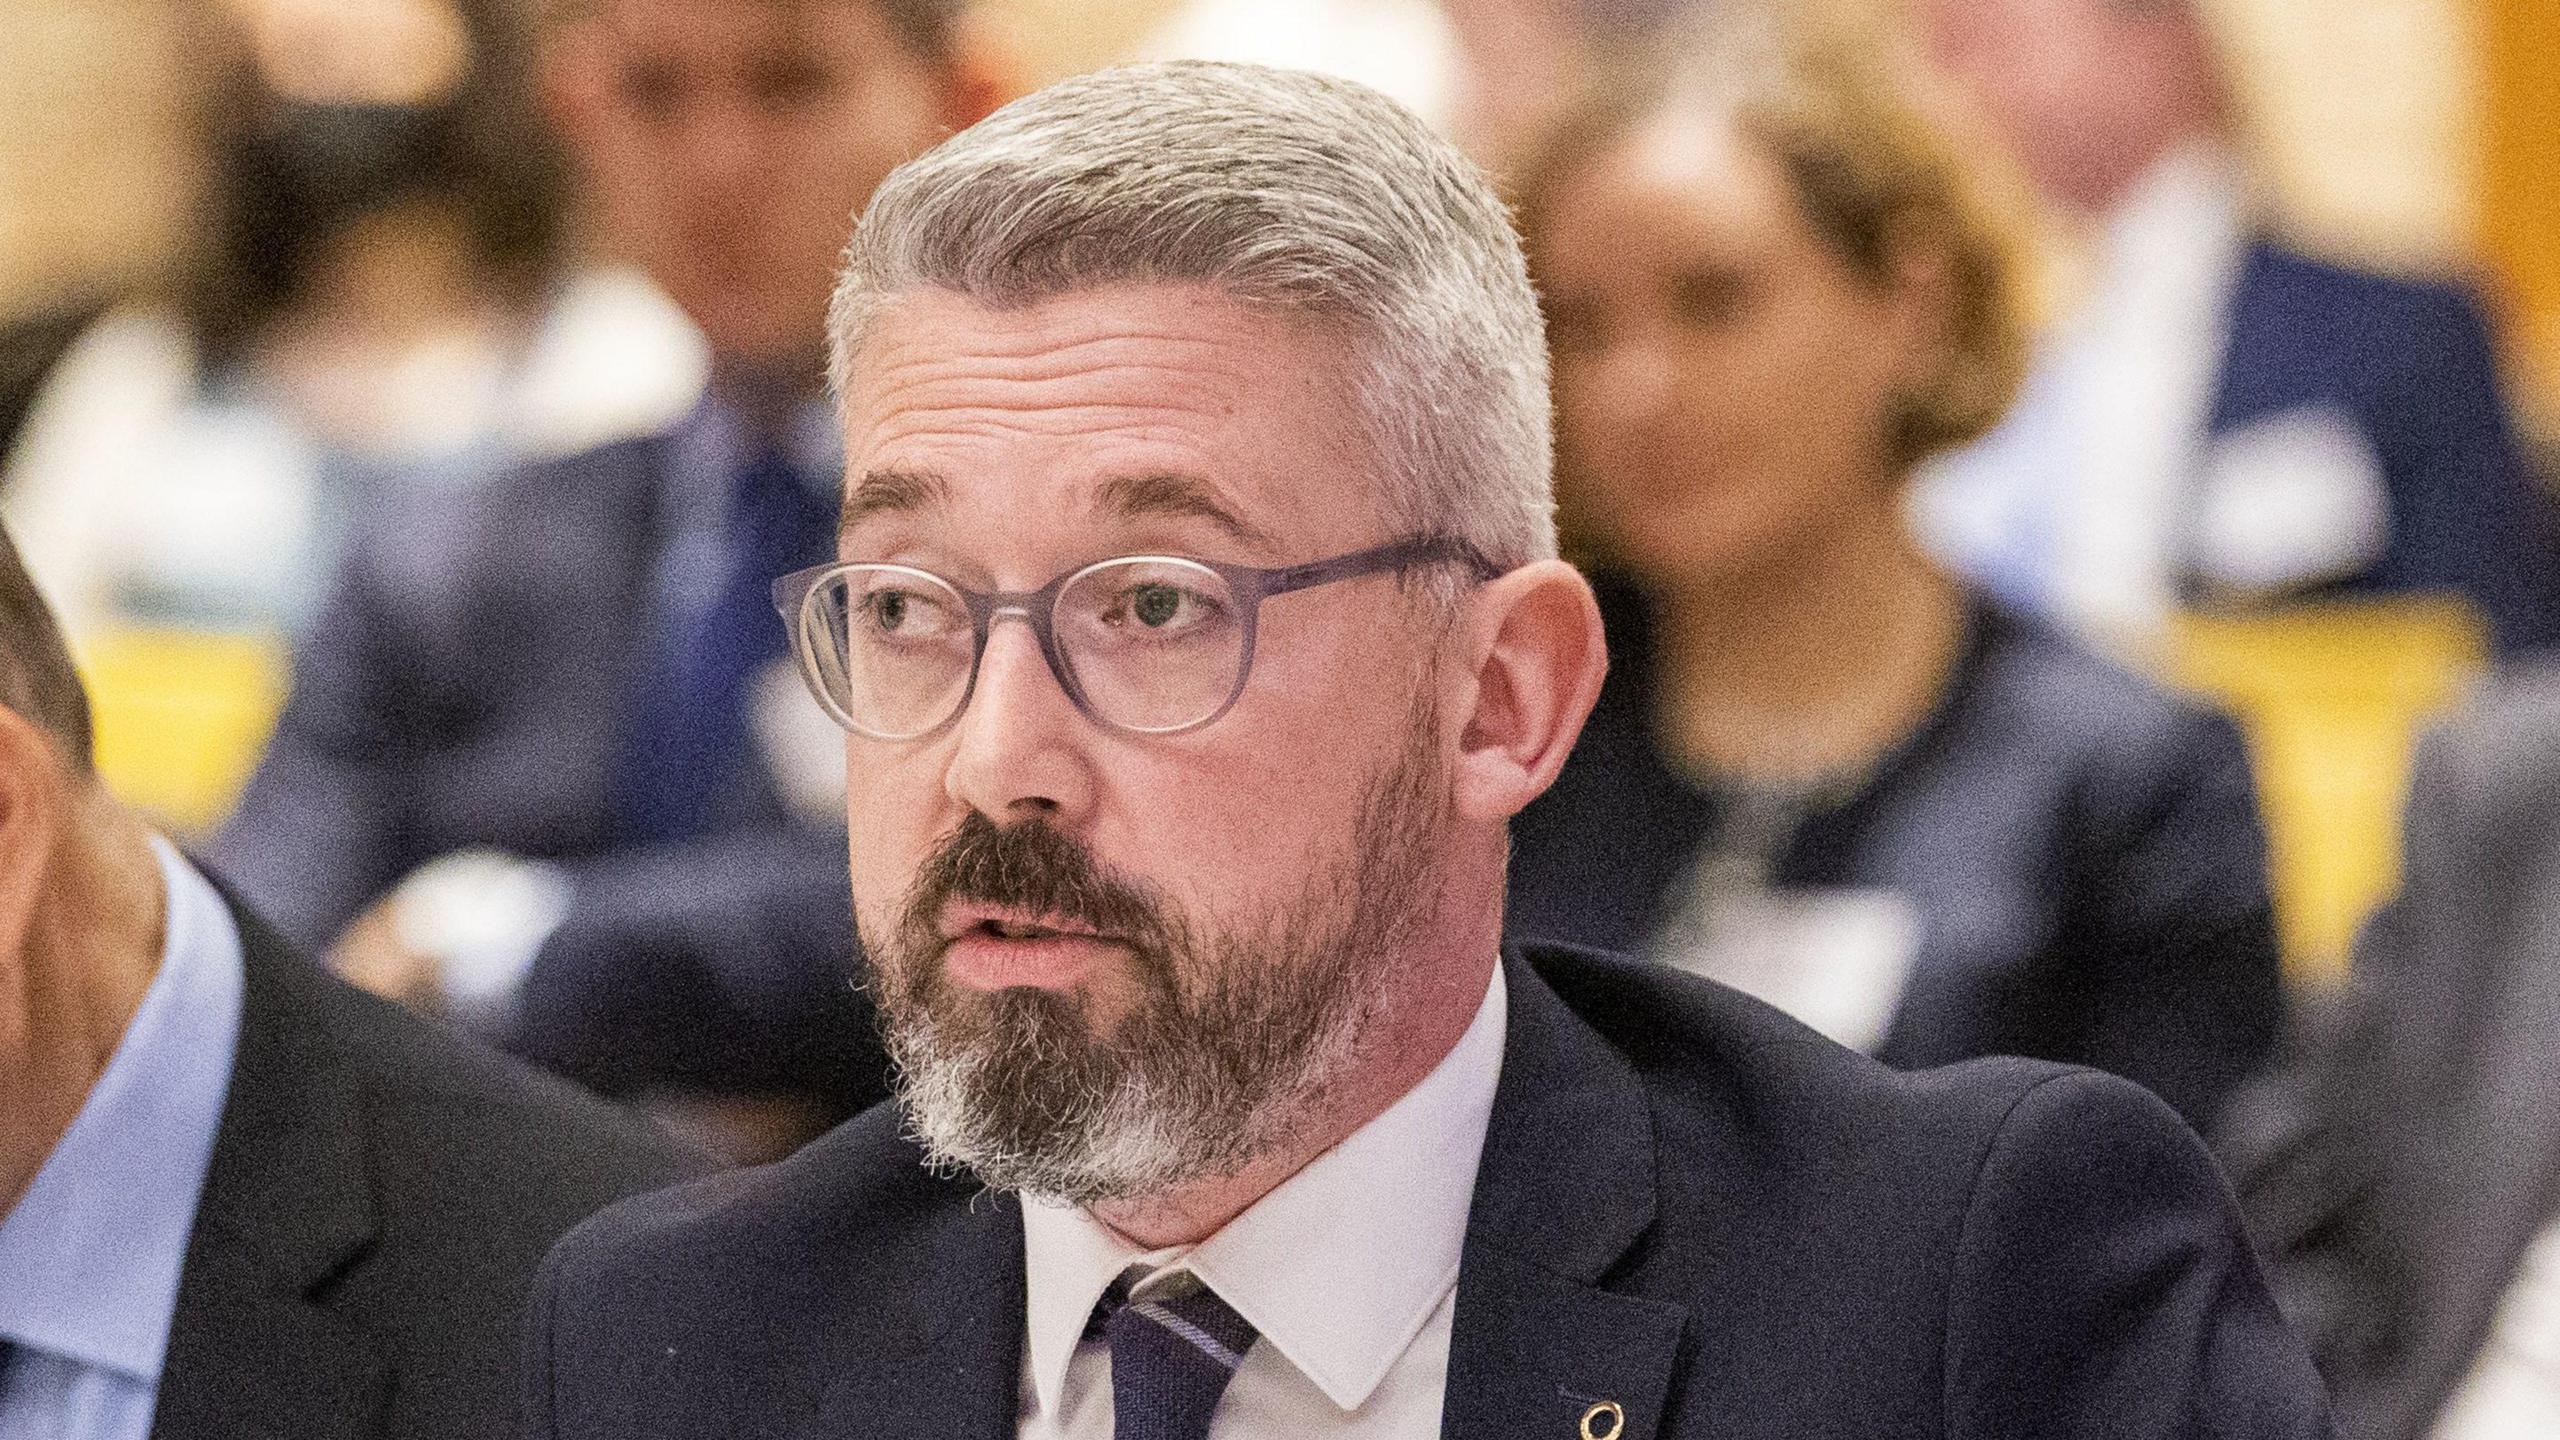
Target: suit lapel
(286,1207)
(936,1347)
(1565,1189)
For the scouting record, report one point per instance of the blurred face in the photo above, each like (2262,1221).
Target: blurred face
(1113,963)
(1724,379)
(728,144)
(2086,93)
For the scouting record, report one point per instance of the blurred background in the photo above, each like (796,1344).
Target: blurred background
(2069,483)
(262,259)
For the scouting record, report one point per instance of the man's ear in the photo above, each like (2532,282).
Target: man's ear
(1532,659)
(35,795)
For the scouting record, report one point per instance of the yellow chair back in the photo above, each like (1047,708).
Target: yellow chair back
(2332,698)
(182,716)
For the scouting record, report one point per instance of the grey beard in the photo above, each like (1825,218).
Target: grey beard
(1233,1048)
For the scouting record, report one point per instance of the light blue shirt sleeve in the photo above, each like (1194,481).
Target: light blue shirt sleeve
(90,1257)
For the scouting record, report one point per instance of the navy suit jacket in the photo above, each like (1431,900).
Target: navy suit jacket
(2412,365)
(1687,1203)
(470,684)
(2083,852)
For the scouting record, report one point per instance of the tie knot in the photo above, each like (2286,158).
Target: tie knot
(1171,1357)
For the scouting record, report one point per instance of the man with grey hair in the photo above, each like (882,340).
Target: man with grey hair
(1198,631)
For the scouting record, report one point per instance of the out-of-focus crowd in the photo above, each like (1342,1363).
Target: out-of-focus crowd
(2027,573)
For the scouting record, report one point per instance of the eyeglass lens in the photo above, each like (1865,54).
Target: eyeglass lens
(1148,644)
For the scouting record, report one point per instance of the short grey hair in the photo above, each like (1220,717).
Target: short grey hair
(1311,196)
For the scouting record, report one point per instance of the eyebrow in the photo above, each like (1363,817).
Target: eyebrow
(1149,494)
(891,492)
(1167,493)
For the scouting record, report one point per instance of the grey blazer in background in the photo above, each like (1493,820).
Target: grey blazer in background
(2396,1170)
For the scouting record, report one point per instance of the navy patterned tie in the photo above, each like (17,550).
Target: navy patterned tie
(689,728)
(1171,1358)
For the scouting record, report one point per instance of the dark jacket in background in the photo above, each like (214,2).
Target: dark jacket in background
(379,1197)
(472,683)
(2395,1174)
(2411,363)
(2083,851)
(1687,1203)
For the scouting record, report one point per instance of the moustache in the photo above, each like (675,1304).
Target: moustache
(1032,867)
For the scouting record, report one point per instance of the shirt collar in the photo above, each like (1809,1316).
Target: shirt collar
(89,1259)
(1387,1205)
(2172,247)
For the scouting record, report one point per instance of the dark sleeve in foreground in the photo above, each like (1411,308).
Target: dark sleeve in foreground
(2172,889)
(2103,1286)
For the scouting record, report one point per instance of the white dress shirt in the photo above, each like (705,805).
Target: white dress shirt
(2074,506)
(1348,1269)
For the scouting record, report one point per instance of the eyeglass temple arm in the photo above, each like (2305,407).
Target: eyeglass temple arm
(1396,555)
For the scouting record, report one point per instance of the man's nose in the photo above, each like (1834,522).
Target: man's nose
(1020,746)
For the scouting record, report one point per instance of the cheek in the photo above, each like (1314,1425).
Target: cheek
(893,816)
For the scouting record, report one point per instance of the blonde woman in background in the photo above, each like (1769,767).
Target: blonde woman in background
(1823,769)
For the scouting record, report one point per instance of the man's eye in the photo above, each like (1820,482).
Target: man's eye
(782,86)
(653,92)
(902,612)
(1713,296)
(1160,608)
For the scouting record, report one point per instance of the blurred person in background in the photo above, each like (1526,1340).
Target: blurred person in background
(238,1197)
(379,302)
(2402,1172)
(2216,419)
(560,730)
(1821,769)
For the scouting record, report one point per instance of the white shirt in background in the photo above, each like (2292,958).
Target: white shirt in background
(2073,507)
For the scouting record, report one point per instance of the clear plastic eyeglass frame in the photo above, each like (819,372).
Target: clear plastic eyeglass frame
(797,597)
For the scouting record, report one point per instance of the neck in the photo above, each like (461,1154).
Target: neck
(90,957)
(1813,664)
(1407,1042)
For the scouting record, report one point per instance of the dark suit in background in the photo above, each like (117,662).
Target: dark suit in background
(475,681)
(2411,363)
(2083,852)
(1687,1204)
(379,1196)
(2396,1173)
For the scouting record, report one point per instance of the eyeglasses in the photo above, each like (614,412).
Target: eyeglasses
(1146,644)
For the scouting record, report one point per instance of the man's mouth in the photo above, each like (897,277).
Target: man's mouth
(963,922)
(1015,930)
(988,948)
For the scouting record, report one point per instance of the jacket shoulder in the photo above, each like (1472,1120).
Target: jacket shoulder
(1695,1044)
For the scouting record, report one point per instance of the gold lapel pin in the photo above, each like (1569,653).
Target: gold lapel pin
(1605,1420)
